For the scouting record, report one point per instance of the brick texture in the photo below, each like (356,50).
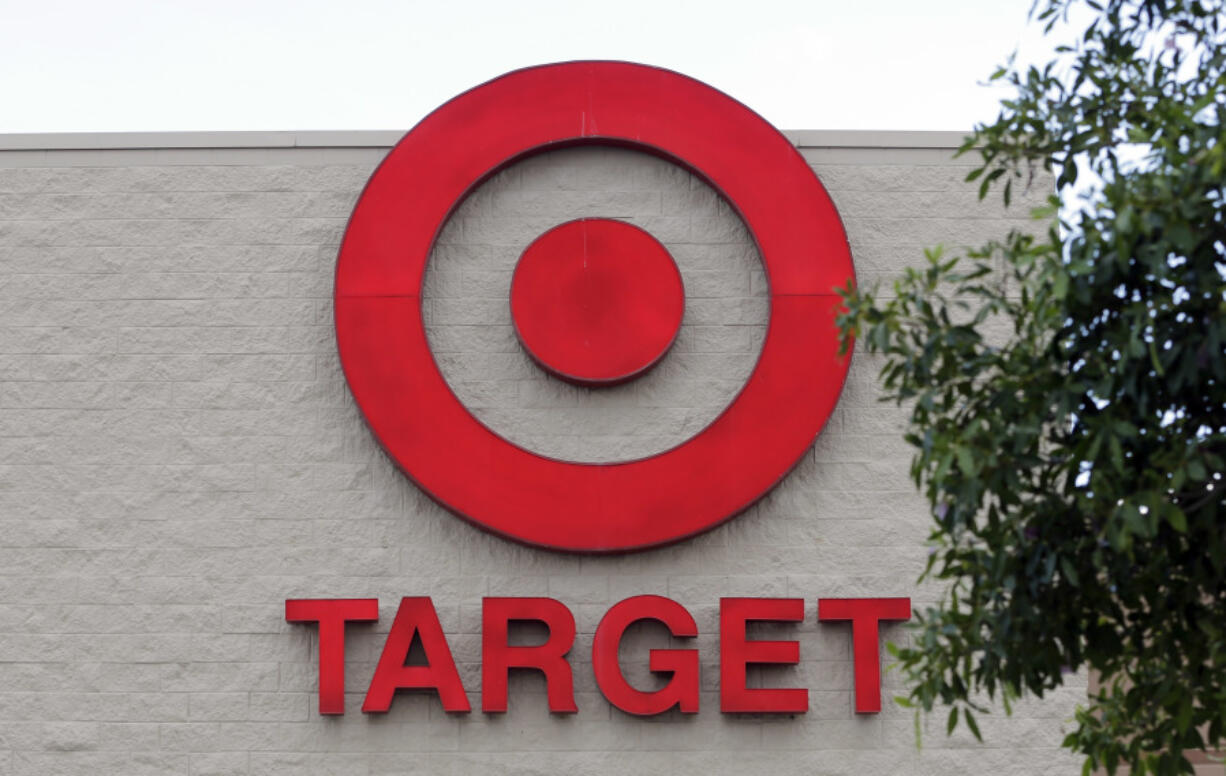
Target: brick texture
(179,454)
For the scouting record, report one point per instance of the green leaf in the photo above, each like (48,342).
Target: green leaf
(1133,519)
(1196,470)
(1070,573)
(966,460)
(973,725)
(1117,453)
(1177,519)
(1060,285)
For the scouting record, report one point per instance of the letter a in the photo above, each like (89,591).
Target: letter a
(416,616)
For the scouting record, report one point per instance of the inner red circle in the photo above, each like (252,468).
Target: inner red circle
(596,301)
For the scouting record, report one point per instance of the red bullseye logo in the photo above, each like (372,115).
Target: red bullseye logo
(595,302)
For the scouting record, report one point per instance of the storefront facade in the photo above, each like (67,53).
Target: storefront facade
(181,454)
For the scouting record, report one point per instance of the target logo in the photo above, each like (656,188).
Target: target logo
(595,302)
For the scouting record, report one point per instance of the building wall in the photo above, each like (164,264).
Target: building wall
(179,454)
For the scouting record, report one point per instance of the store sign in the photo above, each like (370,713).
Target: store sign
(417,619)
(596,302)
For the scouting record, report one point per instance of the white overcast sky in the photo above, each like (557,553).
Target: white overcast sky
(131,65)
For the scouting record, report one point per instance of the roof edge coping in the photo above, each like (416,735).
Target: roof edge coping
(386,138)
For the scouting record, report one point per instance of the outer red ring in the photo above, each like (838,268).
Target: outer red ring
(576,506)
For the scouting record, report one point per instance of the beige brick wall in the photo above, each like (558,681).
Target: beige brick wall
(179,454)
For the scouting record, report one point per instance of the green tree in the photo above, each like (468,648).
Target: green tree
(1067,389)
